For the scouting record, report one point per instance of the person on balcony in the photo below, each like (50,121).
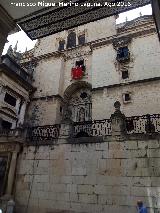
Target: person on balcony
(140,207)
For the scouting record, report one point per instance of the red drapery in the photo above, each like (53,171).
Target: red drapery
(77,73)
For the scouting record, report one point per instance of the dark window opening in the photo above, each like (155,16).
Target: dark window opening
(123,54)
(83,95)
(127,97)
(71,40)
(60,109)
(80,64)
(6,124)
(129,125)
(125,74)
(61,45)
(10,99)
(81,39)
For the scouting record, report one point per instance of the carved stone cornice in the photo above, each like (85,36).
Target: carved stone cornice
(131,35)
(121,41)
(63,18)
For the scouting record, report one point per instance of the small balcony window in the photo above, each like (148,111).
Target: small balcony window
(123,54)
(10,99)
(81,39)
(61,45)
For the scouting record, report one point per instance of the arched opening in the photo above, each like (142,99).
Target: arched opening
(78,102)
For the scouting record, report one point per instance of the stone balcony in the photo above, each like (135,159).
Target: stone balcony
(117,125)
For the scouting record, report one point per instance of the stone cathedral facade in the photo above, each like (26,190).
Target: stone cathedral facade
(85,127)
(115,62)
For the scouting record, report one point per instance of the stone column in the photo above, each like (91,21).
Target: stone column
(11,174)
(66,128)
(22,113)
(2,93)
(18,104)
(118,121)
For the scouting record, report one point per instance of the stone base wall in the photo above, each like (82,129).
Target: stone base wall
(89,178)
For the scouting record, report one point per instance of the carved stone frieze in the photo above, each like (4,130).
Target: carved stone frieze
(63,18)
(77,52)
(121,41)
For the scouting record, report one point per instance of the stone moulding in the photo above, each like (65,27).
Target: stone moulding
(63,18)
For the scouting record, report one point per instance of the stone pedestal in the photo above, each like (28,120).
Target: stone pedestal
(118,121)
(10,206)
(65,130)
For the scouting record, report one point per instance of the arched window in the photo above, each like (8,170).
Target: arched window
(71,40)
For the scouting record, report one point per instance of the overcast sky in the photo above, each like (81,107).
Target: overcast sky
(24,42)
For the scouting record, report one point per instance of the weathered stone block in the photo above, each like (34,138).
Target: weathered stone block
(85,189)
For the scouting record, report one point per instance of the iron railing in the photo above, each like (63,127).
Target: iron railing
(47,132)
(143,124)
(146,124)
(92,128)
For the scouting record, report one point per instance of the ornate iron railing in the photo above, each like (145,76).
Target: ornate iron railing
(143,124)
(48,132)
(134,125)
(92,128)
(10,132)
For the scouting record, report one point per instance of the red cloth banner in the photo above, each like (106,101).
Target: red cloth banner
(77,73)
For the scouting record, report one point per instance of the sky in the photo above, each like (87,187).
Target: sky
(25,42)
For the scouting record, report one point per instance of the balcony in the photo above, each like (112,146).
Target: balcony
(134,126)
(117,125)
(13,69)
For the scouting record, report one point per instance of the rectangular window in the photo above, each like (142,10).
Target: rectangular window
(125,74)
(61,45)
(127,97)
(81,39)
(123,54)
(80,64)
(6,124)
(10,99)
